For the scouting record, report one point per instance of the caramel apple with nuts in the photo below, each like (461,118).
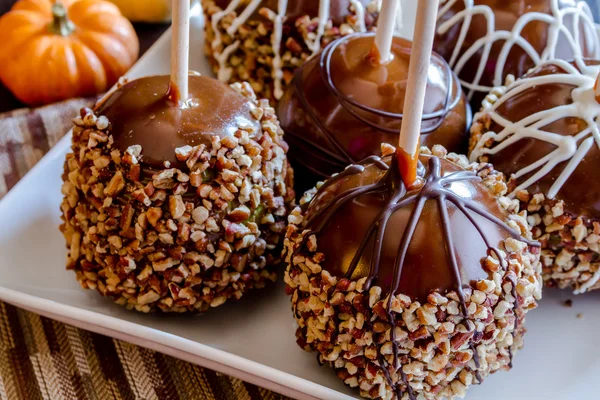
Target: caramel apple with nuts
(176,209)
(541,131)
(264,41)
(175,194)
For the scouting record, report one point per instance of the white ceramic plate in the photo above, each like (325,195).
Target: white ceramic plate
(253,339)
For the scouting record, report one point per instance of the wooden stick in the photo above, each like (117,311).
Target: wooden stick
(420,56)
(180,52)
(385,29)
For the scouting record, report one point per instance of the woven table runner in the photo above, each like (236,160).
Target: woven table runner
(44,359)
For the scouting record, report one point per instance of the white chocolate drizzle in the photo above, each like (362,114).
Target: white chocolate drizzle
(243,17)
(359,11)
(276,44)
(399,20)
(565,24)
(224,73)
(315,44)
(222,55)
(569,149)
(589,283)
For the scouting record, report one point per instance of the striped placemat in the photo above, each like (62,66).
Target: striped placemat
(45,359)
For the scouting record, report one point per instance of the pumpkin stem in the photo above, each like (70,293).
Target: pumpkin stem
(61,24)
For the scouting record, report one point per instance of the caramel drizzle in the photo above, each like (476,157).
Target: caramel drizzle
(336,154)
(434,188)
(173,93)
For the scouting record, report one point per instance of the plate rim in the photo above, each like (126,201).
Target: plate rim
(179,347)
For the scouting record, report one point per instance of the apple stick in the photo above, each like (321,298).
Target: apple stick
(180,52)
(408,149)
(385,29)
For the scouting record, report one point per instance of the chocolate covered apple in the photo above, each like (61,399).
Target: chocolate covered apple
(542,132)
(343,104)
(412,293)
(484,41)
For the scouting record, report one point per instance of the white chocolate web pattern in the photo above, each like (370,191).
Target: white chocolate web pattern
(277,17)
(568,149)
(570,21)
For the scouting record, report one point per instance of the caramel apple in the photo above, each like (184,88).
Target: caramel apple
(175,208)
(542,132)
(411,293)
(484,41)
(264,41)
(343,104)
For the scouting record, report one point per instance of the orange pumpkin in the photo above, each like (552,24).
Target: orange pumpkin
(54,50)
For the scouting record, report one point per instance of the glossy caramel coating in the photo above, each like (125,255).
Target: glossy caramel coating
(506,14)
(340,113)
(427,266)
(142,113)
(338,10)
(581,191)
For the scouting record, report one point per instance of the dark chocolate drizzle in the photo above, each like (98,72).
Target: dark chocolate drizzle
(339,157)
(434,188)
(515,308)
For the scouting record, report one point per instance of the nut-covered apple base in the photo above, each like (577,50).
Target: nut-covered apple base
(176,240)
(251,59)
(441,352)
(570,244)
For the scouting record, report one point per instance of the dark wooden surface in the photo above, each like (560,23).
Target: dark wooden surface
(148,33)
